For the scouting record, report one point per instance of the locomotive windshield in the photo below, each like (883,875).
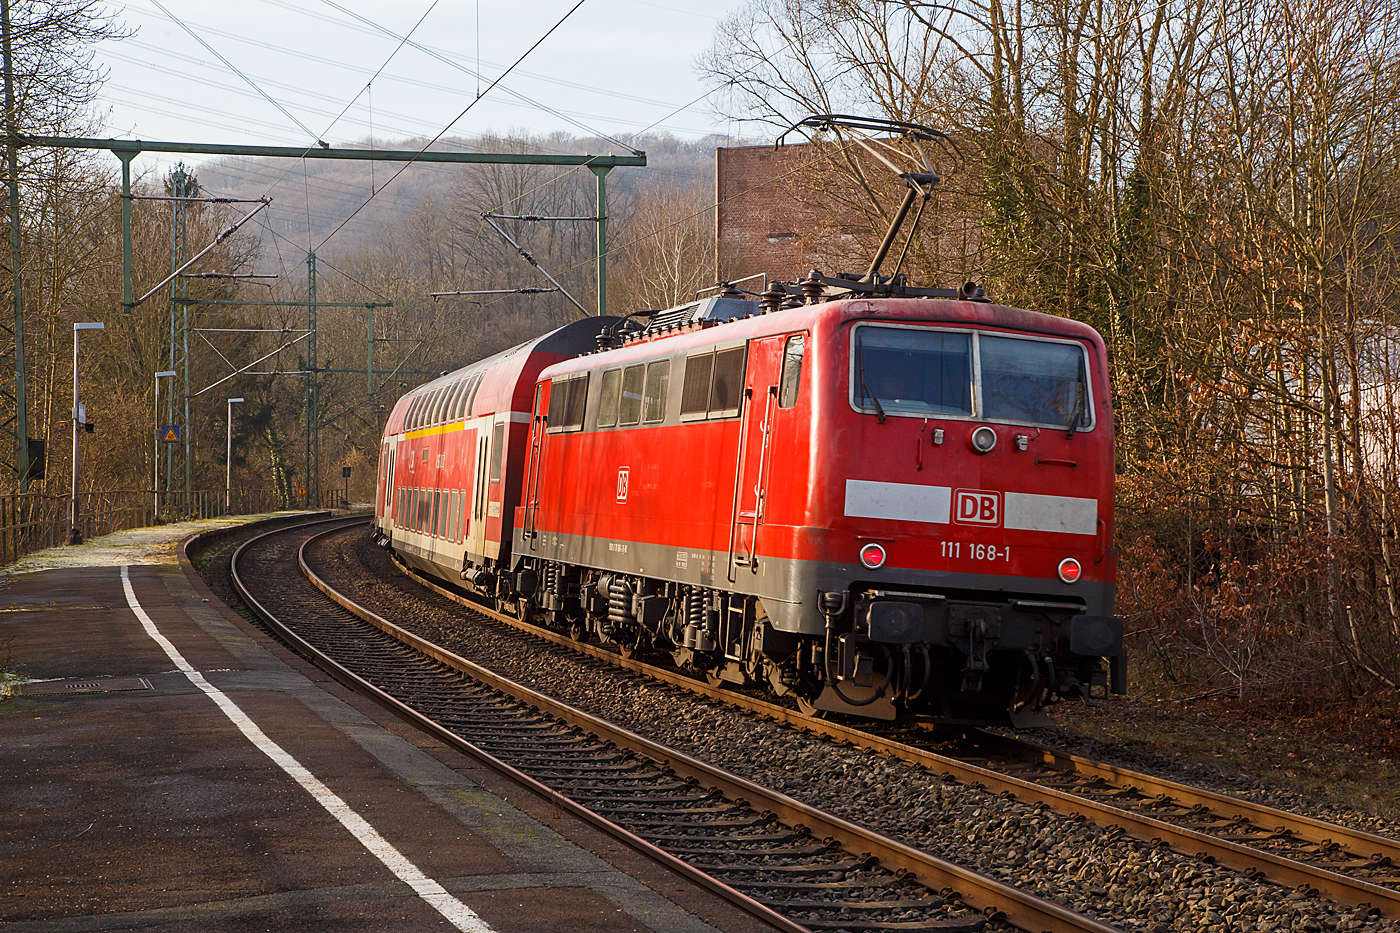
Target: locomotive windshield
(925,372)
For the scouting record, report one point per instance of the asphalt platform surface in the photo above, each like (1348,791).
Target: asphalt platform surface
(183,771)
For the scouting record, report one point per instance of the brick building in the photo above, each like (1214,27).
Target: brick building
(766,222)
(786,211)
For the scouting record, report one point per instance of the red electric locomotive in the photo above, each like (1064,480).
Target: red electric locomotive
(882,507)
(881,500)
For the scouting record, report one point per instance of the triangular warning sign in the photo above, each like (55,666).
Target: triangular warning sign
(170,434)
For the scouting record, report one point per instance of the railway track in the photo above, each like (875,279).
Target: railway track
(792,864)
(1313,857)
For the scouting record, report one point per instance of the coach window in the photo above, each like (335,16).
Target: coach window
(791,379)
(450,412)
(471,394)
(454,409)
(430,409)
(462,402)
(658,382)
(440,404)
(629,410)
(445,403)
(607,398)
(412,411)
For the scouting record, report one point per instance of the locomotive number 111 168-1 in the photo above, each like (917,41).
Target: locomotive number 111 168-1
(987,552)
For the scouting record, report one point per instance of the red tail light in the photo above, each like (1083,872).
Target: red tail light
(1069,570)
(872,556)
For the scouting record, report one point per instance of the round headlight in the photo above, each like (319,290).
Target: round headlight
(872,556)
(982,439)
(1069,570)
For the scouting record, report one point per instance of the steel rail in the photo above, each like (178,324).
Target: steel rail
(1303,827)
(1237,856)
(994,898)
(455,741)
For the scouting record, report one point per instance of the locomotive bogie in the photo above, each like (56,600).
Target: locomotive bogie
(881,507)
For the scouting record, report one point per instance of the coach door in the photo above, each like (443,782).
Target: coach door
(532,482)
(755,453)
(476,539)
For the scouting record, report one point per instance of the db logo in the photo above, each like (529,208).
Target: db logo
(622,484)
(977,507)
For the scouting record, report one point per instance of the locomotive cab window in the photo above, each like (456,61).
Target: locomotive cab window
(923,372)
(567,395)
(915,372)
(1033,381)
(791,378)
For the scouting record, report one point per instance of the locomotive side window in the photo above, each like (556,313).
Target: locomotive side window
(567,397)
(913,371)
(791,379)
(658,381)
(713,385)
(695,389)
(630,409)
(1033,381)
(607,398)
(728,386)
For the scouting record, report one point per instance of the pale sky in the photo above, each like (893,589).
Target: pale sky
(614,68)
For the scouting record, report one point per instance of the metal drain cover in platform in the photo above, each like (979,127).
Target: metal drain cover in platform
(99,685)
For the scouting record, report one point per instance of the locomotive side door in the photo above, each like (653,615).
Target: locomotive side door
(751,479)
(532,482)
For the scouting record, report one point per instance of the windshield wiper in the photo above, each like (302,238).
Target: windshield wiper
(865,389)
(1077,418)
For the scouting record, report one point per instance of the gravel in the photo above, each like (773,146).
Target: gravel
(1088,868)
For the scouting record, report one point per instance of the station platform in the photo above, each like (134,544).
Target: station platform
(164,765)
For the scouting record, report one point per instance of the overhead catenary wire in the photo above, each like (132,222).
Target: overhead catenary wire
(447,61)
(231,67)
(459,116)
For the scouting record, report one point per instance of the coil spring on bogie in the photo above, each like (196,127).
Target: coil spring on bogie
(695,604)
(552,578)
(619,603)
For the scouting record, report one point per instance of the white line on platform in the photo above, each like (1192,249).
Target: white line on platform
(458,914)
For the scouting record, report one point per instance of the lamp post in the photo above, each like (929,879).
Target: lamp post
(74,536)
(155,452)
(228,461)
